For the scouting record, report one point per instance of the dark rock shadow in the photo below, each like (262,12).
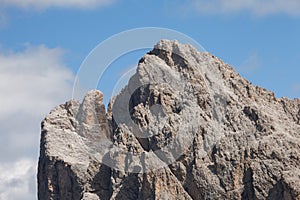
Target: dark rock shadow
(64,182)
(248,192)
(102,183)
(280,191)
(130,188)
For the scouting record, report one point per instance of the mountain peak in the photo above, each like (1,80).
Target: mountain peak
(186,126)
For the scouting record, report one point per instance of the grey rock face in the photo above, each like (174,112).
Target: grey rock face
(186,126)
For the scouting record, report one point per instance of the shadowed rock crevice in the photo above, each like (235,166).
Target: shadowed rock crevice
(248,192)
(251,113)
(130,188)
(281,191)
(102,183)
(174,58)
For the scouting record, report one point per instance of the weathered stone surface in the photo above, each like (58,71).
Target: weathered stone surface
(186,126)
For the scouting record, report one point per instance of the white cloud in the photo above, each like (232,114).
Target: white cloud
(42,4)
(32,82)
(17,180)
(256,7)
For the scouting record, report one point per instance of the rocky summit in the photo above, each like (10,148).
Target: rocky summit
(186,126)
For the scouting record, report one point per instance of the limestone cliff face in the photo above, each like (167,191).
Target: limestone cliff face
(186,126)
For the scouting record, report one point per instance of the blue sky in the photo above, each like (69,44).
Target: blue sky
(268,42)
(43,43)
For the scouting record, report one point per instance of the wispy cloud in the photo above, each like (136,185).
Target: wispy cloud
(43,4)
(3,19)
(32,81)
(255,7)
(250,64)
(295,90)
